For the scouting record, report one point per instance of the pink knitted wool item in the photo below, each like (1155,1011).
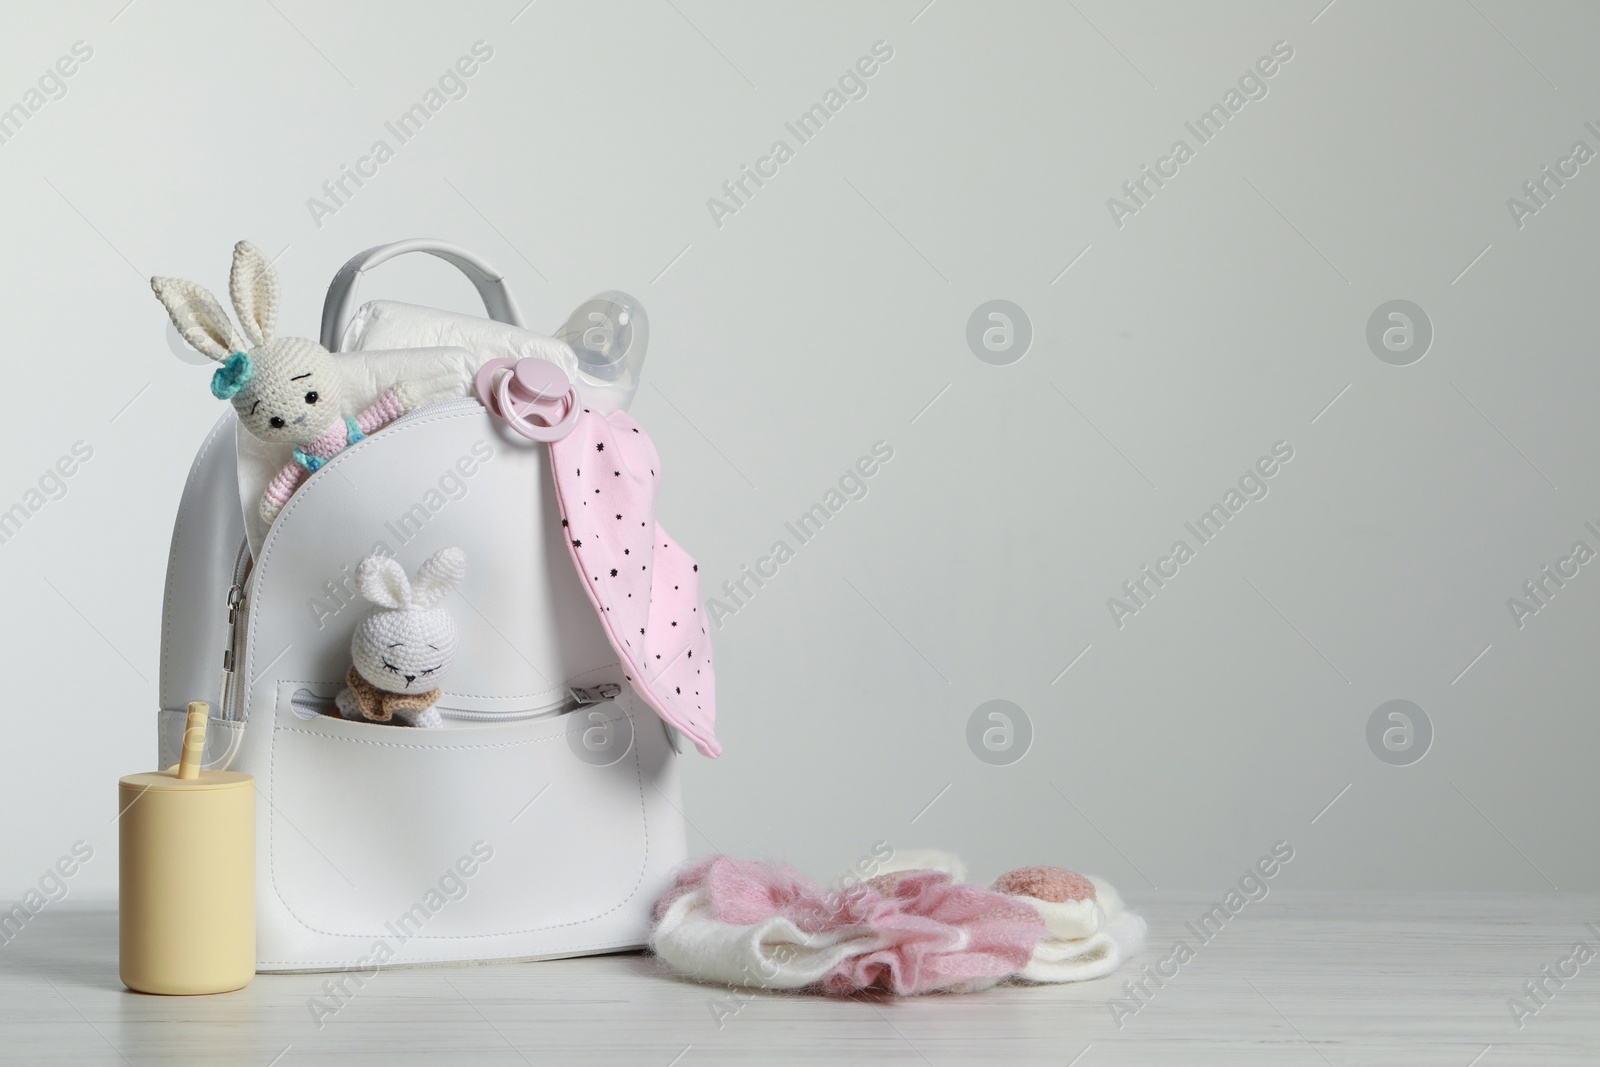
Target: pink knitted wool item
(944,937)
(744,892)
(930,934)
(1054,884)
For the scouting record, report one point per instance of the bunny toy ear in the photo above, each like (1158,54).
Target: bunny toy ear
(198,317)
(383,581)
(253,285)
(438,575)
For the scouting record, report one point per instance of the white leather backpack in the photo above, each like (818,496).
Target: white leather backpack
(544,820)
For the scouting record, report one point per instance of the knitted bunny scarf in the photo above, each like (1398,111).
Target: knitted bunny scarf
(380,705)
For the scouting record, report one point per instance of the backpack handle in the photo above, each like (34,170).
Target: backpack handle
(340,304)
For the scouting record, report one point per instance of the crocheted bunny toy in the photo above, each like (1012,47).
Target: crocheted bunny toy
(400,650)
(285,389)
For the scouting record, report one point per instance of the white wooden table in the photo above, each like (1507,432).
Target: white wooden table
(1296,979)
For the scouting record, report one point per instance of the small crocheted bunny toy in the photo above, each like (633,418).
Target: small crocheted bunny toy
(400,650)
(285,389)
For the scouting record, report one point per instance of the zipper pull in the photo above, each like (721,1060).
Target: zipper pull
(235,598)
(596,694)
(235,602)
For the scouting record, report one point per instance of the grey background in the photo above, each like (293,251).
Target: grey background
(830,313)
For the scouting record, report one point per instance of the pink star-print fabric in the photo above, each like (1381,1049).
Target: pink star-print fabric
(645,589)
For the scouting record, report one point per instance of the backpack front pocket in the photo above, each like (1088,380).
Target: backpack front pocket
(426,837)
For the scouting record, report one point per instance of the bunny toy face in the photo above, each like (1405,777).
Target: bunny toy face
(405,652)
(283,388)
(406,644)
(294,393)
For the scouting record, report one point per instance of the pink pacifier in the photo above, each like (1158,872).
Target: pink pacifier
(531,388)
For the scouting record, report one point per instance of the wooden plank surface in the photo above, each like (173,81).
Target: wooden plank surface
(1295,979)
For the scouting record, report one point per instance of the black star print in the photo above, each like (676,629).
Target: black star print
(577,544)
(600,446)
(613,572)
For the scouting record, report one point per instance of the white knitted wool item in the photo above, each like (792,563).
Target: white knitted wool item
(406,645)
(771,954)
(918,859)
(1087,938)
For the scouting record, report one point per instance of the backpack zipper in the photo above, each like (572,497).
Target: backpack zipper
(560,707)
(576,698)
(308,705)
(236,621)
